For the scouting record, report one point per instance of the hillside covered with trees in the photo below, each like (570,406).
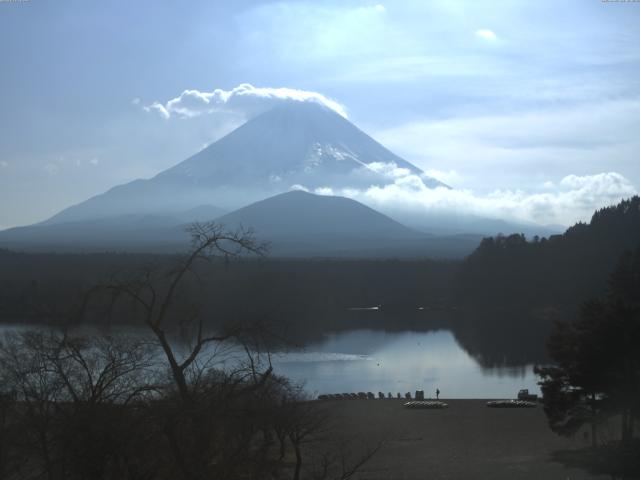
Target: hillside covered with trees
(510,291)
(562,270)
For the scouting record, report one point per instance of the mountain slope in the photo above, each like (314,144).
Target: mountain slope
(300,214)
(296,224)
(295,143)
(300,224)
(129,232)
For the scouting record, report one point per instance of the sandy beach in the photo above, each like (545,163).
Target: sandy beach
(465,441)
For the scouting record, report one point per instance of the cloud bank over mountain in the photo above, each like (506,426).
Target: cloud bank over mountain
(244,99)
(571,199)
(496,96)
(555,200)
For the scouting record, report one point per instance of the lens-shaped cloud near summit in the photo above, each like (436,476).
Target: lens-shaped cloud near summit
(244,99)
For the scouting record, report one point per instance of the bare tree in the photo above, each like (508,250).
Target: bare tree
(184,335)
(73,397)
(157,297)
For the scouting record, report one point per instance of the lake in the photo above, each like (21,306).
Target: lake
(370,360)
(376,360)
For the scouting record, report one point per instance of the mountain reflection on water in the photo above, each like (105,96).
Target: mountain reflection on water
(462,356)
(370,360)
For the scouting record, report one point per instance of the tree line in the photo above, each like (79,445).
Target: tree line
(561,270)
(302,298)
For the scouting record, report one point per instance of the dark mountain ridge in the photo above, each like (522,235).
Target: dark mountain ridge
(297,213)
(296,224)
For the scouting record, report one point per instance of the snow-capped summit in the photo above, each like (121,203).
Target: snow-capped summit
(296,143)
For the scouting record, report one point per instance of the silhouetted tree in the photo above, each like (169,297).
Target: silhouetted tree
(218,422)
(596,374)
(155,295)
(75,410)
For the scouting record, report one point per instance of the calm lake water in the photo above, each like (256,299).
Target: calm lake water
(368,360)
(374,360)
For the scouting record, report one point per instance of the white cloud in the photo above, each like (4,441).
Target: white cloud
(390,170)
(159,108)
(324,191)
(486,34)
(572,199)
(445,176)
(94,161)
(518,149)
(602,183)
(4,164)
(298,187)
(244,99)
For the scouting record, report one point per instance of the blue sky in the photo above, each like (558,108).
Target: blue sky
(528,109)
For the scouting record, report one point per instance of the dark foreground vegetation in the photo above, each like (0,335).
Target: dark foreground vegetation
(103,407)
(193,403)
(595,377)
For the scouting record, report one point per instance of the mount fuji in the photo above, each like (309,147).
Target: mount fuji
(243,179)
(296,143)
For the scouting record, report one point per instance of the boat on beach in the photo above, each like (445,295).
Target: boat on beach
(511,404)
(425,404)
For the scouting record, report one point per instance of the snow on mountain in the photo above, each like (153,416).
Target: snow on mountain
(293,144)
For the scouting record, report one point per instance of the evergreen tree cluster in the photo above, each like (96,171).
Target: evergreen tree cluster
(559,270)
(595,374)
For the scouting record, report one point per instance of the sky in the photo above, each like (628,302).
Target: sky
(529,110)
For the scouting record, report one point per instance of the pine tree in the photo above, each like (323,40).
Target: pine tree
(596,374)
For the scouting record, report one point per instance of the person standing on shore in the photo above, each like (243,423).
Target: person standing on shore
(437,393)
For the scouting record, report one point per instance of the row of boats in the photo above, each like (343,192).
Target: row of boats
(420,403)
(511,404)
(431,404)
(361,396)
(425,404)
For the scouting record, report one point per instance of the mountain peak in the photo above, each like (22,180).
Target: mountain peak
(295,143)
(288,215)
